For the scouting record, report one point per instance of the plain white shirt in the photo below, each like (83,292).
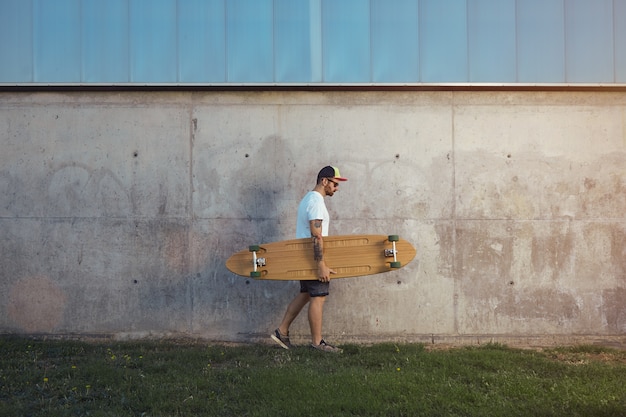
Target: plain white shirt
(311,207)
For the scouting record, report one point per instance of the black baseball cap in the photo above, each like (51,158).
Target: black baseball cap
(330,172)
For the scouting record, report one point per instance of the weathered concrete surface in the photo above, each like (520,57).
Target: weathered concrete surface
(118,211)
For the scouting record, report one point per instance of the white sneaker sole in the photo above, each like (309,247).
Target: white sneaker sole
(280,342)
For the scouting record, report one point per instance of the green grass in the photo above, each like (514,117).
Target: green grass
(70,378)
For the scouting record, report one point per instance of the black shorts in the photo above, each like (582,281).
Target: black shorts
(315,288)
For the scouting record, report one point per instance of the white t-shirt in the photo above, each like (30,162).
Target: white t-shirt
(311,207)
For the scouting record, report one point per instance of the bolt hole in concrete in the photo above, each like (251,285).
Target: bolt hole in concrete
(512,283)
(135,154)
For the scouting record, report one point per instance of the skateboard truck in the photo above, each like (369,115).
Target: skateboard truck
(256,262)
(393,252)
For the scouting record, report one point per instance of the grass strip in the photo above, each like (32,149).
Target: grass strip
(170,378)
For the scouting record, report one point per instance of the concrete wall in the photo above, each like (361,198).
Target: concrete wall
(119,209)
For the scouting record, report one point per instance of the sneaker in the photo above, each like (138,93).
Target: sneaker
(281,339)
(325,347)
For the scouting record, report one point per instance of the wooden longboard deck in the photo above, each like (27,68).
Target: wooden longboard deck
(349,255)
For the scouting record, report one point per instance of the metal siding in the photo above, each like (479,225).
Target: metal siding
(293,54)
(16,40)
(250,41)
(105,46)
(589,41)
(153,42)
(346,41)
(312,41)
(395,41)
(443,41)
(540,41)
(491,37)
(619,41)
(57,41)
(201,41)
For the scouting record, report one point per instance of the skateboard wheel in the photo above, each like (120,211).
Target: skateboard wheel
(254,248)
(255,274)
(394,238)
(395,264)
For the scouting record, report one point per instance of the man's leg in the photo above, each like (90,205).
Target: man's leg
(316,312)
(293,309)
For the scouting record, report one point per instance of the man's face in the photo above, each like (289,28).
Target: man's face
(330,186)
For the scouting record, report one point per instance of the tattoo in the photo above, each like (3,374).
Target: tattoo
(318,255)
(318,244)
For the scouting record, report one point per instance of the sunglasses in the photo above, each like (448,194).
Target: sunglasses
(334,182)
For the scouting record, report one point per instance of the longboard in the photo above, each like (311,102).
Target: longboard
(348,255)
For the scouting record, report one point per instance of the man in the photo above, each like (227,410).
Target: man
(313,221)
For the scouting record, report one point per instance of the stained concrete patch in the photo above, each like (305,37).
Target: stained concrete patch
(540,304)
(552,252)
(615,310)
(36,304)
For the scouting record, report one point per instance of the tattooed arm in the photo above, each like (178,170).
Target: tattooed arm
(323,270)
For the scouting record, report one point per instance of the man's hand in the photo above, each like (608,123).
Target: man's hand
(324,272)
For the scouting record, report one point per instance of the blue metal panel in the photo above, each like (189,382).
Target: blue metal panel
(16,41)
(619,14)
(541,41)
(312,41)
(346,40)
(153,41)
(57,40)
(443,41)
(105,47)
(298,40)
(491,38)
(202,41)
(250,41)
(589,41)
(395,41)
